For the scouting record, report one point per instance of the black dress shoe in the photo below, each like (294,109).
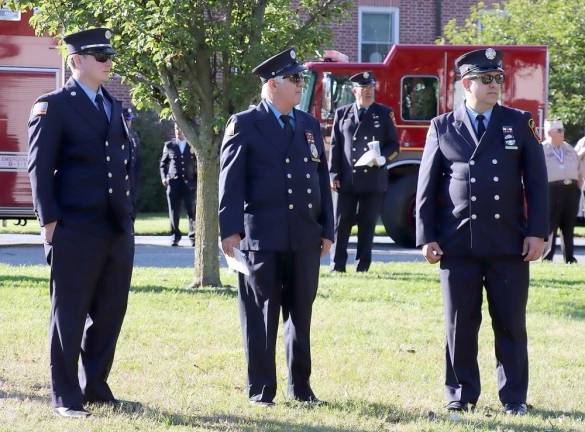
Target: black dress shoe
(337,270)
(261,403)
(457,406)
(175,243)
(519,409)
(572,260)
(70,412)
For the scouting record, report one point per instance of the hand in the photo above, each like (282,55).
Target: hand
(229,243)
(165,182)
(335,185)
(533,248)
(325,246)
(432,252)
(48,230)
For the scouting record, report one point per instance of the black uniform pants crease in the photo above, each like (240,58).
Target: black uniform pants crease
(352,208)
(180,193)
(506,283)
(90,281)
(286,280)
(563,207)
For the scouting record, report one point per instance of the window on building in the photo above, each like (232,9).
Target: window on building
(419,97)
(378,31)
(8,15)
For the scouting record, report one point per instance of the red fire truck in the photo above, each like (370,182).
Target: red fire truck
(419,82)
(29,67)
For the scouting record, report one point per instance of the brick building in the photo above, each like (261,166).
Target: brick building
(373,26)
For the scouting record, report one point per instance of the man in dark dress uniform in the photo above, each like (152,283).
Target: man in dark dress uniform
(356,128)
(178,172)
(80,167)
(275,206)
(481,165)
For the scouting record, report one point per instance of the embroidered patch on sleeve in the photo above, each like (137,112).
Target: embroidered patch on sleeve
(532,127)
(230,130)
(40,108)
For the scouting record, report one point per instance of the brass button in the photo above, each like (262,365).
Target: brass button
(290,206)
(289,175)
(308,175)
(287,160)
(496,179)
(107,144)
(473,216)
(472,179)
(497,197)
(110,175)
(309,190)
(495,161)
(497,216)
(310,205)
(290,191)
(108,158)
(110,190)
(473,198)
(471,162)
(305,159)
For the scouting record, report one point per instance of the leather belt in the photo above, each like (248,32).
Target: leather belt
(563,182)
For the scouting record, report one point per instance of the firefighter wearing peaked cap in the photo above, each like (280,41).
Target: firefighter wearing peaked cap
(80,168)
(275,207)
(357,129)
(480,164)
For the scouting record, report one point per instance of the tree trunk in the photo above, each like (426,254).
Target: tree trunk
(206,226)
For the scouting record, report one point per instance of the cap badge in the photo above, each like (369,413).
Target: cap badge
(293,54)
(366,75)
(490,53)
(108,34)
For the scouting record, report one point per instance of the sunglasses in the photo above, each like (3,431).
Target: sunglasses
(487,79)
(295,78)
(99,57)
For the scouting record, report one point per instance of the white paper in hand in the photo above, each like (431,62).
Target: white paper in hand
(238,262)
(367,159)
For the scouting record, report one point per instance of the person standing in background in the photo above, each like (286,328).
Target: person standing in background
(178,173)
(565,171)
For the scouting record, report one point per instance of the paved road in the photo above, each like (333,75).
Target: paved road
(153,251)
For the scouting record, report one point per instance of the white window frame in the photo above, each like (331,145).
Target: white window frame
(393,11)
(8,14)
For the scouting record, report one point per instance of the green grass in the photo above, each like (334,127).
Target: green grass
(146,224)
(377,357)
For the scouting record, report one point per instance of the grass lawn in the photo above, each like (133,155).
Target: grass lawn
(377,357)
(146,224)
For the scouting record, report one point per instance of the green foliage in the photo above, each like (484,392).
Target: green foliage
(556,23)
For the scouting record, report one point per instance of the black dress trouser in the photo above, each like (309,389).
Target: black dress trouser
(563,207)
(364,209)
(181,193)
(506,283)
(90,281)
(286,280)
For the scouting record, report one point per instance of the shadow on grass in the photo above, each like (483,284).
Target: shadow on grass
(387,416)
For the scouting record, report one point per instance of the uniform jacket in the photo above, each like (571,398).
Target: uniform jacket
(275,195)
(79,166)
(482,198)
(177,165)
(349,141)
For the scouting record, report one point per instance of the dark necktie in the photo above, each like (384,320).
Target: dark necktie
(361,112)
(99,100)
(480,126)
(288,130)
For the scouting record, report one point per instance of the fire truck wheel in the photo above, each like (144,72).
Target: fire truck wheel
(398,210)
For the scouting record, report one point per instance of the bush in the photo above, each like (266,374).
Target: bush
(153,132)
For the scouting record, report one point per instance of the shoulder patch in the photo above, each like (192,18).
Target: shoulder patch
(39,109)
(532,127)
(230,130)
